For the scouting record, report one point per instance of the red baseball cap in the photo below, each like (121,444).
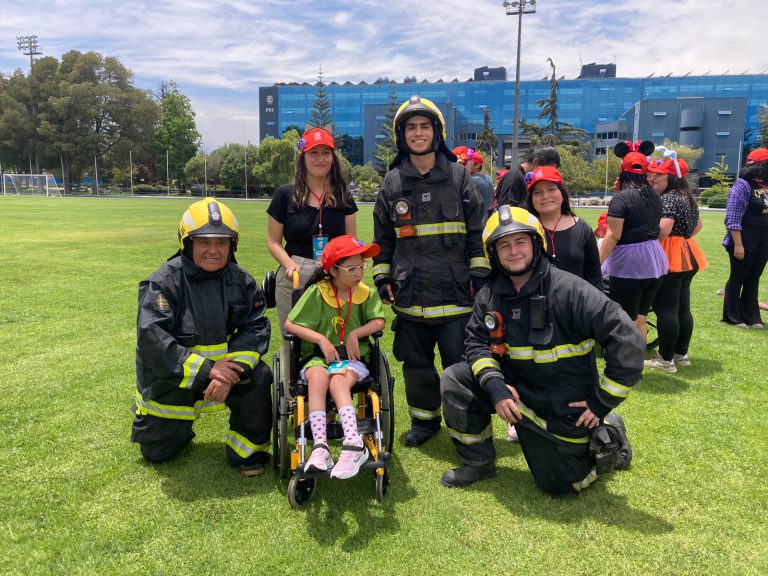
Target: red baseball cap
(757,155)
(345,246)
(315,137)
(668,167)
(548,173)
(477,158)
(635,162)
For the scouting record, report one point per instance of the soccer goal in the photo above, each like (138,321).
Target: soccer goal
(32,184)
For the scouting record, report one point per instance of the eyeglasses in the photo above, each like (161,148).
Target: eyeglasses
(353,269)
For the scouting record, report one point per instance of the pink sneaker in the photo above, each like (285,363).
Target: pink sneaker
(350,461)
(320,460)
(512,433)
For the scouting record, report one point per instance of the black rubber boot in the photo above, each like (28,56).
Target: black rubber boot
(625,449)
(466,475)
(418,435)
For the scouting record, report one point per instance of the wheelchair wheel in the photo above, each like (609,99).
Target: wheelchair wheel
(280,452)
(300,491)
(382,485)
(387,406)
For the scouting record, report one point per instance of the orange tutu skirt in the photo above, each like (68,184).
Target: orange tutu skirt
(684,254)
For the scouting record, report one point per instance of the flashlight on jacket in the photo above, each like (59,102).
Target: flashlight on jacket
(404,213)
(495,323)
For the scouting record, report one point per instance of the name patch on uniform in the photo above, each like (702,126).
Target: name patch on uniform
(515,313)
(162,304)
(426,197)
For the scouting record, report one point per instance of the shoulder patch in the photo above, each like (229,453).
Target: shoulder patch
(162,304)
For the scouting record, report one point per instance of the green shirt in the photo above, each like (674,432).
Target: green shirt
(316,310)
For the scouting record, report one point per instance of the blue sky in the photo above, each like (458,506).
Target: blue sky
(221,51)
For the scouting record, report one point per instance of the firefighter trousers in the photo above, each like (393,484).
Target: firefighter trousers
(559,467)
(250,424)
(414,346)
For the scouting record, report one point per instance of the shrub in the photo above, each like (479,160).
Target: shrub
(718,200)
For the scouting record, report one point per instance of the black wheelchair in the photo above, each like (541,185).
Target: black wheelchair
(291,432)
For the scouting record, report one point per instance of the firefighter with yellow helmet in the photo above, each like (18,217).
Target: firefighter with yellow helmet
(530,358)
(428,221)
(201,336)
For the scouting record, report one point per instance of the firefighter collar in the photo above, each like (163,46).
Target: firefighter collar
(360,295)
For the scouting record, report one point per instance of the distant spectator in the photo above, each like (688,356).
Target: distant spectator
(511,190)
(746,241)
(483,182)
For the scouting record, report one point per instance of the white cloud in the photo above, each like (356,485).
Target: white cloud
(220,51)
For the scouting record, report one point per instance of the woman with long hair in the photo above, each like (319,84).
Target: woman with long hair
(680,222)
(630,252)
(307,214)
(570,240)
(746,241)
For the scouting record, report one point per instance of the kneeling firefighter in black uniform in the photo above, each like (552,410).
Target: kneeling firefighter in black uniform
(531,359)
(201,336)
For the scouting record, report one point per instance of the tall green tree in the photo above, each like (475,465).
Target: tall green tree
(87,106)
(176,132)
(762,120)
(553,132)
(232,164)
(276,162)
(488,143)
(202,163)
(386,149)
(321,112)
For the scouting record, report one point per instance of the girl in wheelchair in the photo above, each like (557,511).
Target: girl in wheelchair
(333,318)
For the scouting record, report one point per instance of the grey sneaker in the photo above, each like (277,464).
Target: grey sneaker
(757,326)
(682,360)
(625,449)
(658,363)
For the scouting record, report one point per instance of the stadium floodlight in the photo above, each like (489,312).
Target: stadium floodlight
(29,47)
(518,8)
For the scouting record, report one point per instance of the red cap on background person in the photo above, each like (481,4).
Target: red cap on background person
(634,155)
(667,166)
(635,162)
(315,137)
(757,155)
(501,173)
(477,158)
(345,246)
(548,173)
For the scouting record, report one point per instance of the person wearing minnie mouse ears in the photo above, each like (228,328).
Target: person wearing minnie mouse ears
(630,253)
(746,241)
(680,222)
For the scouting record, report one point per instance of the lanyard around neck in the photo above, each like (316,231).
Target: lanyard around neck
(341,323)
(552,235)
(319,198)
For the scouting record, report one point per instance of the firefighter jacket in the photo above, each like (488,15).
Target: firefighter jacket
(429,228)
(550,376)
(187,320)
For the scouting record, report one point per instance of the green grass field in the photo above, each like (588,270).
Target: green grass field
(76,498)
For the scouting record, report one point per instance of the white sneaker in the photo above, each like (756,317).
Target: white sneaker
(658,363)
(682,360)
(320,460)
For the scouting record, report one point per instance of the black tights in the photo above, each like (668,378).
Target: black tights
(674,321)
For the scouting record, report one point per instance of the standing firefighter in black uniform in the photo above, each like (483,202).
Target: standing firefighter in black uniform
(201,336)
(531,359)
(428,221)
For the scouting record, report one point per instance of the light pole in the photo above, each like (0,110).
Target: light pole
(29,47)
(518,8)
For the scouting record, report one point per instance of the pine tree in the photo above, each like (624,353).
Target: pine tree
(488,142)
(386,150)
(321,113)
(554,132)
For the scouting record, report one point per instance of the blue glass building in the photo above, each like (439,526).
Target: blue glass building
(718,113)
